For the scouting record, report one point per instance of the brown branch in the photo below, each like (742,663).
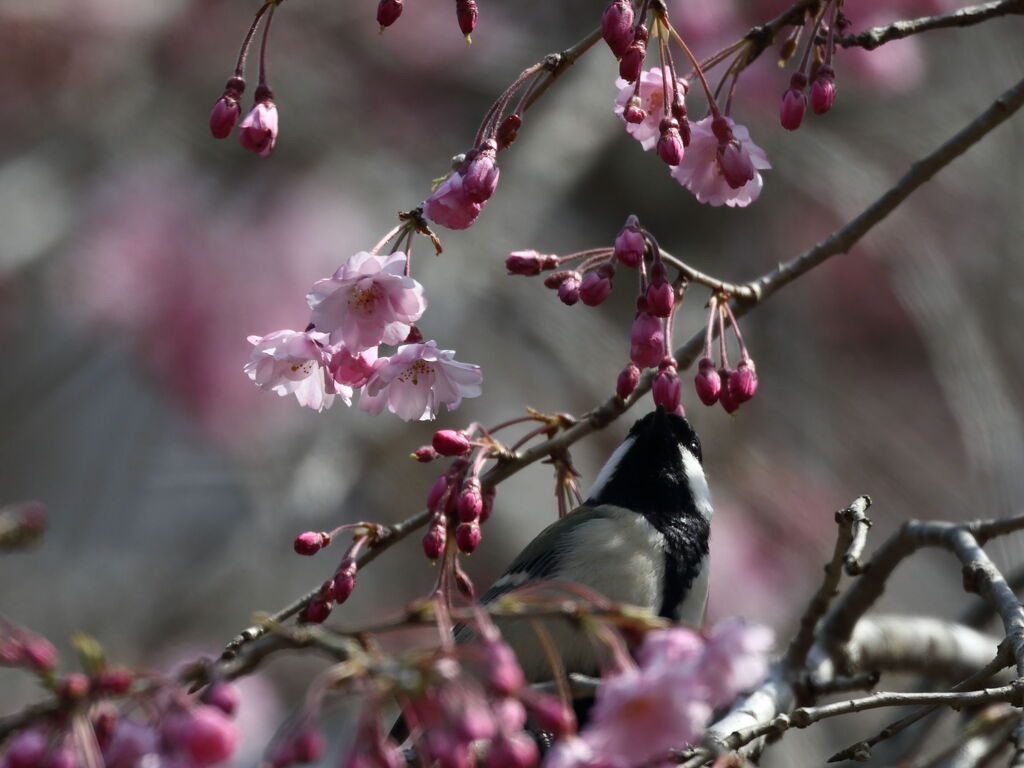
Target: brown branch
(870,39)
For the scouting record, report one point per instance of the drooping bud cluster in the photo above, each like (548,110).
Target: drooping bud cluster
(339,588)
(816,67)
(369,301)
(721,383)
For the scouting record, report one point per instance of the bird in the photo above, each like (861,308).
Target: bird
(641,537)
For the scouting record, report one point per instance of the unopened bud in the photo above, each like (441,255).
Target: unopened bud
(434,539)
(670,143)
(344,580)
(647,340)
(449,442)
(707,382)
(227,109)
(388,12)
(508,130)
(823,90)
(660,296)
(597,285)
(311,542)
(551,714)
(470,504)
(529,263)
(634,113)
(735,163)
(467,536)
(425,454)
(617,26)
(725,395)
(555,279)
(74,687)
(629,244)
(629,378)
(480,175)
(114,681)
(569,290)
(665,389)
(743,381)
(315,612)
(466,11)
(437,491)
(632,62)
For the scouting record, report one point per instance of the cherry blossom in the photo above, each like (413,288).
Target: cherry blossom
(701,171)
(258,129)
(294,362)
(652,102)
(414,381)
(368,301)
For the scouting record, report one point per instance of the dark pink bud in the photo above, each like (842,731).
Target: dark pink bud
(551,714)
(670,143)
(27,749)
(647,340)
(415,336)
(259,127)
(310,542)
(742,383)
(480,176)
(503,673)
(344,581)
(634,113)
(629,244)
(735,163)
(628,380)
(226,110)
(597,285)
(315,612)
(617,26)
(555,279)
(449,442)
(569,290)
(437,492)
(660,297)
(665,389)
(103,725)
(794,103)
(425,454)
(466,11)
(512,751)
(488,507)
(203,734)
(471,501)
(632,62)
(823,90)
(114,681)
(720,127)
(74,686)
(388,12)
(434,539)
(508,130)
(467,536)
(529,263)
(223,696)
(725,395)
(308,744)
(708,383)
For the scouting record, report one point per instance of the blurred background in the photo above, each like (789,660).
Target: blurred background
(137,253)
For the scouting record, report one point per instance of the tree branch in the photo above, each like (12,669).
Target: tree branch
(870,39)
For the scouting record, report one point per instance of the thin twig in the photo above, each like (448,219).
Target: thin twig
(870,39)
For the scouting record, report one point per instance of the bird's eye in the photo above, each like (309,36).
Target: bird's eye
(694,447)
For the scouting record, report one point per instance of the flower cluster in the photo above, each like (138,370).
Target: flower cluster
(369,301)
(338,588)
(714,157)
(721,383)
(666,700)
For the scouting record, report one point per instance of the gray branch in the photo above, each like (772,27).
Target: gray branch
(963,17)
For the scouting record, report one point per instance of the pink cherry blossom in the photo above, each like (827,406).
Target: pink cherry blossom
(735,658)
(450,205)
(258,129)
(652,101)
(414,381)
(348,370)
(293,362)
(701,173)
(368,301)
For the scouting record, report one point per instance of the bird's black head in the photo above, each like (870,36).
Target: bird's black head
(657,471)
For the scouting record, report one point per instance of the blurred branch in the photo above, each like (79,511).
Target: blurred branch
(870,39)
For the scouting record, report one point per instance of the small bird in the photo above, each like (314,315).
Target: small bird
(641,537)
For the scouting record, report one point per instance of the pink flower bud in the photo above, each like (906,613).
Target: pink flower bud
(735,163)
(569,290)
(617,26)
(388,12)
(597,285)
(629,244)
(660,296)
(315,612)
(466,11)
(725,395)
(665,389)
(310,542)
(223,696)
(647,340)
(344,581)
(508,130)
(551,714)
(425,454)
(708,383)
(226,110)
(503,673)
(529,263)
(823,90)
(794,103)
(467,536)
(516,750)
(203,734)
(480,174)
(259,127)
(434,539)
(449,442)
(114,681)
(74,687)
(488,506)
(634,113)
(471,501)
(27,749)
(670,144)
(437,491)
(632,62)
(742,383)
(38,652)
(628,380)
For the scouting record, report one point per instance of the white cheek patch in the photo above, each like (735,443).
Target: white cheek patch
(698,483)
(609,467)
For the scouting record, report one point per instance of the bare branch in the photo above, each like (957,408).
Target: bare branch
(962,17)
